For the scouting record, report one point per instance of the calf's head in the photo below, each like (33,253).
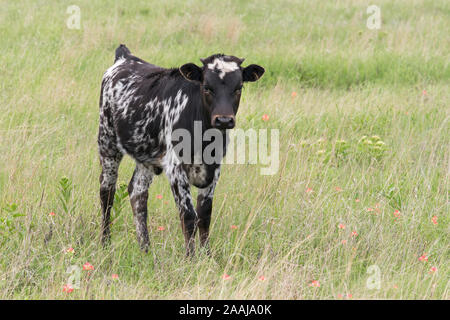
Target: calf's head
(221,79)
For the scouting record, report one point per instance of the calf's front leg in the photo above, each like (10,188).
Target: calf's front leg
(204,208)
(179,184)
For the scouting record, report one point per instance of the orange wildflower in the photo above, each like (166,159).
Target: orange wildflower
(434,220)
(67,288)
(314,283)
(88,266)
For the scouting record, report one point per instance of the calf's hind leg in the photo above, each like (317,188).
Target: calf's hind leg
(138,191)
(108,179)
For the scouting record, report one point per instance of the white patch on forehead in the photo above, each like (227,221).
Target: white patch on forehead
(223,66)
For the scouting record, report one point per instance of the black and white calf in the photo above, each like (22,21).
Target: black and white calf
(141,104)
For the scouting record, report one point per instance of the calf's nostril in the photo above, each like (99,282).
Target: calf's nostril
(224,122)
(224,119)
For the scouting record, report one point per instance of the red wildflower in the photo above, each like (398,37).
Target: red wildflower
(88,266)
(52,214)
(314,283)
(159,196)
(397,214)
(70,250)
(309,190)
(354,234)
(341,226)
(344,241)
(434,220)
(161,228)
(424,92)
(338,189)
(262,278)
(293,94)
(423,257)
(349,296)
(234,227)
(265,117)
(357,200)
(433,269)
(67,288)
(115,276)
(226,277)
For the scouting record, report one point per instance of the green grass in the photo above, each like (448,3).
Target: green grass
(350,82)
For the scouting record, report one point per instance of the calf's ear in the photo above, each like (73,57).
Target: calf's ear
(252,72)
(191,72)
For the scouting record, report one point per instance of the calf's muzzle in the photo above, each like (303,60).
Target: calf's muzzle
(223,121)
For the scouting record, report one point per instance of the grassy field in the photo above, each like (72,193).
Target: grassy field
(364,131)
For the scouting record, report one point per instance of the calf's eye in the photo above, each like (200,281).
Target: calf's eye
(208,91)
